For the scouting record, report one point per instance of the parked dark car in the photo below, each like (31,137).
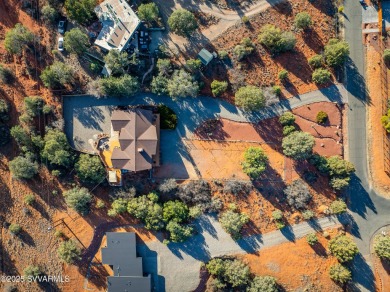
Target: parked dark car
(62,26)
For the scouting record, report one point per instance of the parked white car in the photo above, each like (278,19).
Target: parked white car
(61,44)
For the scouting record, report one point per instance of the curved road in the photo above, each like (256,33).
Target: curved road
(368,210)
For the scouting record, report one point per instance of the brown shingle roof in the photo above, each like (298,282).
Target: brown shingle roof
(137,139)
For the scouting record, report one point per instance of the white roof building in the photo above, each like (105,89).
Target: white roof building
(119,24)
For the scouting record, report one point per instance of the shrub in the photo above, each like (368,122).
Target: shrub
(307,214)
(336,52)
(15,228)
(90,169)
(382,246)
(117,62)
(275,40)
(316,61)
(182,84)
(302,20)
(233,222)
(123,86)
(321,76)
(159,84)
(56,75)
(31,271)
(175,211)
(338,207)
(287,119)
(33,105)
(298,145)
(298,194)
(386,55)
(287,130)
(4,110)
(216,267)
(250,98)
(196,193)
(385,120)
(311,238)
(76,41)
(193,64)
(29,199)
(244,49)
(339,167)
(17,39)
(6,75)
(321,117)
(148,12)
(283,75)
(49,14)
(236,273)
(340,274)
(167,186)
(100,204)
(56,149)
(343,248)
(339,184)
(78,199)
(118,206)
(255,162)
(168,117)
(179,232)
(80,10)
(320,162)
(263,284)
(277,90)
(277,215)
(182,22)
(340,9)
(59,234)
(194,212)
(23,168)
(164,66)
(218,87)
(237,187)
(68,252)
(223,55)
(245,19)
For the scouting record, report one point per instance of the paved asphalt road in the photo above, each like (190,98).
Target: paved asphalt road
(368,210)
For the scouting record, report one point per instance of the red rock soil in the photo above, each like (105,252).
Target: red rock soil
(260,204)
(260,68)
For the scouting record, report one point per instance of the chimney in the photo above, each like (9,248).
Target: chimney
(140,150)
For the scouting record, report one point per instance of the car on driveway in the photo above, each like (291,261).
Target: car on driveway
(62,26)
(61,44)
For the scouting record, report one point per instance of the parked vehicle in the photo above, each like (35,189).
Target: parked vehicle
(62,26)
(61,44)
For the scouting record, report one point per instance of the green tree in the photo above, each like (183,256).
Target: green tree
(56,149)
(31,271)
(182,22)
(338,207)
(21,136)
(236,273)
(386,55)
(316,61)
(283,75)
(148,12)
(339,167)
(49,14)
(56,75)
(159,84)
(69,252)
(154,218)
(164,66)
(287,119)
(298,194)
(336,52)
(80,10)
(343,248)
(179,232)
(321,76)
(255,162)
(90,168)
(117,62)
(263,284)
(17,39)
(118,206)
(298,145)
(33,105)
(339,184)
(76,41)
(321,117)
(15,228)
(307,214)
(302,20)
(123,86)
(275,40)
(175,211)
(385,120)
(218,87)
(4,110)
(382,246)
(193,64)
(6,75)
(250,98)
(23,168)
(182,84)
(29,199)
(216,267)
(233,222)
(244,49)
(311,238)
(78,199)
(340,274)
(287,130)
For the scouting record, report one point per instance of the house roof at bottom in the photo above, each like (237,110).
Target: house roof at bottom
(137,138)
(129,284)
(205,56)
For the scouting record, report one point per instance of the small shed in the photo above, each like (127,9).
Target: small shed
(205,57)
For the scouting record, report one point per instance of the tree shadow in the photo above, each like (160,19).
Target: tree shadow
(324,6)
(203,224)
(362,274)
(48,285)
(195,247)
(320,249)
(288,233)
(251,244)
(26,238)
(356,84)
(313,40)
(359,199)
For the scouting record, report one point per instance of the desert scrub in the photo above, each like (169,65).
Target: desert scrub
(321,117)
